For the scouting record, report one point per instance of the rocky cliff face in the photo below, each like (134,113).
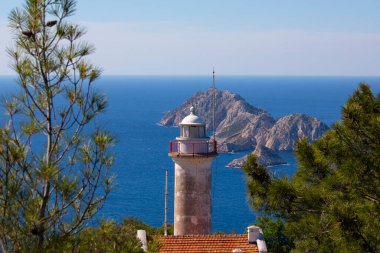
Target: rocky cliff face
(266,157)
(229,106)
(240,130)
(241,126)
(289,129)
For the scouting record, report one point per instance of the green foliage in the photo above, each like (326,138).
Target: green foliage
(332,202)
(109,236)
(54,173)
(275,235)
(258,179)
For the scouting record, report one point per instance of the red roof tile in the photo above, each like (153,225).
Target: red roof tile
(206,244)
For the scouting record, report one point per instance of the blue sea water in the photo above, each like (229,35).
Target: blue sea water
(137,103)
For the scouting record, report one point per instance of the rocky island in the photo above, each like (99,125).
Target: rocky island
(241,126)
(265,157)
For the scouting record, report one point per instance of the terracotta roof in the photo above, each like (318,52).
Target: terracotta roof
(206,244)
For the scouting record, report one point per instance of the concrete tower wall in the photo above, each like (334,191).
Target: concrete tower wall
(192,200)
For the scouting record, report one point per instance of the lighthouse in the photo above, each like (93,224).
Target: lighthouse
(192,153)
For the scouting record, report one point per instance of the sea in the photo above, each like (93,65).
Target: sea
(136,105)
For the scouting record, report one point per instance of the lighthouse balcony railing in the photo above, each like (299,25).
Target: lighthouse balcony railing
(193,148)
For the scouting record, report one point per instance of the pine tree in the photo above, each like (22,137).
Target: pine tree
(332,202)
(54,160)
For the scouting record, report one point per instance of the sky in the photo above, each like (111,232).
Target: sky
(237,37)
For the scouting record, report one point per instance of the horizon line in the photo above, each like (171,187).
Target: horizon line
(223,75)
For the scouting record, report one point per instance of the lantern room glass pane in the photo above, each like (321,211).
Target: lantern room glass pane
(185,131)
(202,132)
(194,132)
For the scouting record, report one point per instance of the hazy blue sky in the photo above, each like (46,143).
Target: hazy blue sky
(250,37)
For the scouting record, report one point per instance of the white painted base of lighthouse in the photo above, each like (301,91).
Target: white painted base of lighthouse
(192,200)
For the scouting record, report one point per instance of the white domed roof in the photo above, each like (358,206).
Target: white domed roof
(192,119)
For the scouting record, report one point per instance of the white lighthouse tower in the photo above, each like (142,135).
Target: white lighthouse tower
(192,154)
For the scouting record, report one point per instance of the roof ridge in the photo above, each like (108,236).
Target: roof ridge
(205,235)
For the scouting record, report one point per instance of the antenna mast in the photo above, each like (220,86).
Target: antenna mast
(166,205)
(213,102)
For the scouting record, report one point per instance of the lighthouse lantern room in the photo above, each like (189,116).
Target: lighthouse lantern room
(192,154)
